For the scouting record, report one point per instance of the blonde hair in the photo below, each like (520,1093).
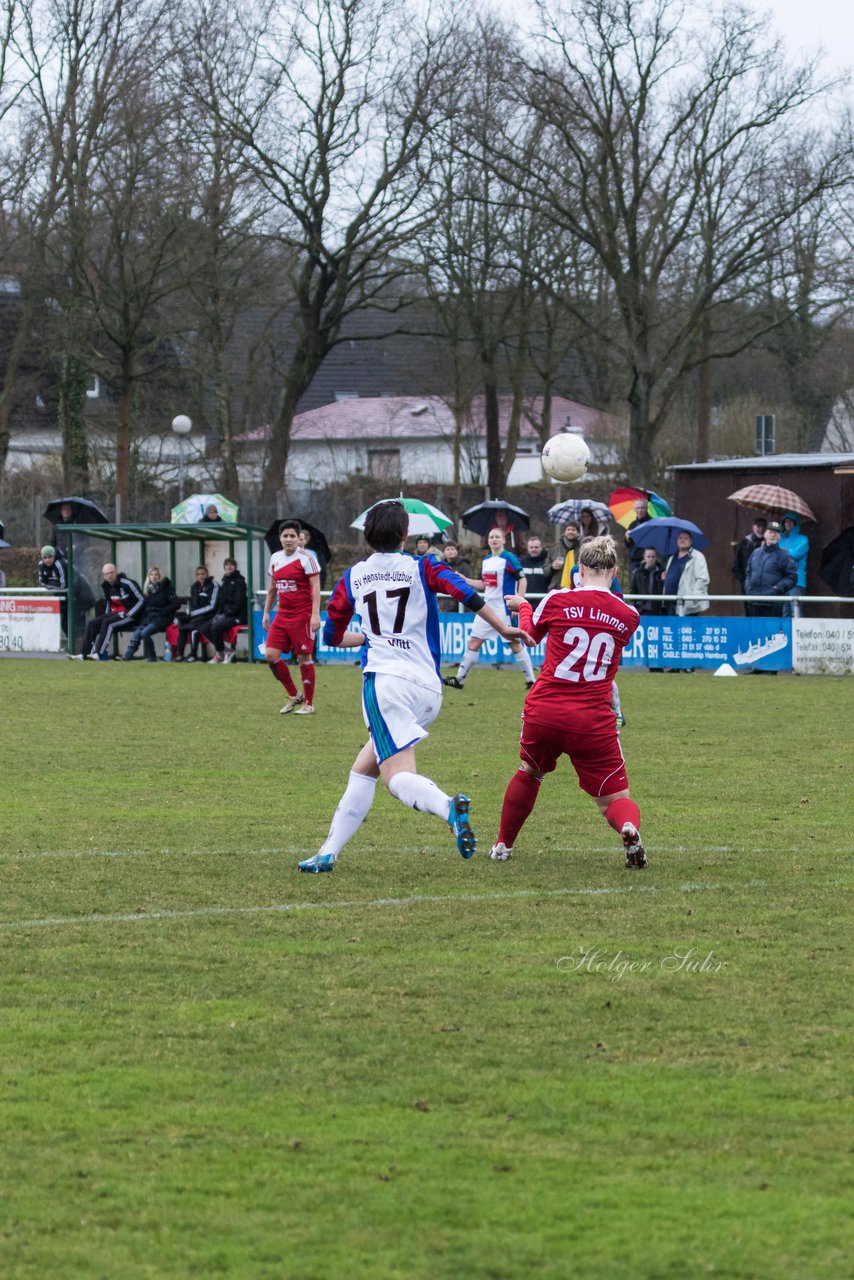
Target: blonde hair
(599,554)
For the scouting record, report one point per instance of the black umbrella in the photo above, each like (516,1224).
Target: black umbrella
(82,511)
(837,563)
(481,519)
(318,543)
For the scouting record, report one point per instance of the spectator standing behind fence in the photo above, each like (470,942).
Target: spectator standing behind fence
(564,554)
(641,509)
(124,603)
(200,608)
(771,571)
(231,611)
(647,581)
(745,549)
(686,574)
(537,566)
(798,546)
(159,609)
(53,576)
(591,526)
(461,564)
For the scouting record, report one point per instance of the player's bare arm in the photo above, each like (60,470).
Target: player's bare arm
(268,604)
(314,622)
(502,626)
(515,601)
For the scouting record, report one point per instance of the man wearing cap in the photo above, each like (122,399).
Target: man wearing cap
(124,603)
(211,515)
(745,549)
(53,577)
(771,571)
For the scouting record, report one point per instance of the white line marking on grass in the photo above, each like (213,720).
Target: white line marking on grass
(348,904)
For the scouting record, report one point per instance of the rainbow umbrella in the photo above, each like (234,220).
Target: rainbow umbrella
(622,503)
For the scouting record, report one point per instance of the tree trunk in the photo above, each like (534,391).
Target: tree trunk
(494,464)
(123,421)
(73,382)
(640,431)
(704,397)
(10,380)
(305,364)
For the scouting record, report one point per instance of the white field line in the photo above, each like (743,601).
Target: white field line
(348,904)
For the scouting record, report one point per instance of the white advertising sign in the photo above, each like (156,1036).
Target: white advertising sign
(29,624)
(823,646)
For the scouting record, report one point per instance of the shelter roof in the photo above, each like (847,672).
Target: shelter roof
(217,531)
(770,462)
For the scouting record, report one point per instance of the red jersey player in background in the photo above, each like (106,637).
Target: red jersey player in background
(295,580)
(568,711)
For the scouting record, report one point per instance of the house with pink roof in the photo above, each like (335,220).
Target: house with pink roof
(415,439)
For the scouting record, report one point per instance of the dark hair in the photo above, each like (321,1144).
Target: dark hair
(386,525)
(203,567)
(290,524)
(451,543)
(229,560)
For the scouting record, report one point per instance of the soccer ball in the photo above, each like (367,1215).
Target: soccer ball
(566,457)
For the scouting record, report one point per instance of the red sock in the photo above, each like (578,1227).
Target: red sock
(306,670)
(519,799)
(279,669)
(620,811)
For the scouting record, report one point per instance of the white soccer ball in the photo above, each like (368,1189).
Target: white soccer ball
(566,457)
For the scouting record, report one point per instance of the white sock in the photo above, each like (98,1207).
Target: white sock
(418,792)
(353,808)
(523,659)
(469,659)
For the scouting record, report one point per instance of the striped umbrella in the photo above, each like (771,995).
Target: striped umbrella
(572,508)
(424,518)
(622,504)
(772,499)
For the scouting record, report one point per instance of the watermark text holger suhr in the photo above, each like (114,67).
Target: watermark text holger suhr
(616,964)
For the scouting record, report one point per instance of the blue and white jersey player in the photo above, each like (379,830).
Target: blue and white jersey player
(394,594)
(501,574)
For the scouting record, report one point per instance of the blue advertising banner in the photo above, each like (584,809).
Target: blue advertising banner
(745,643)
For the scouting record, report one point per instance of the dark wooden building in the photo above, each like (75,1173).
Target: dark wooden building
(824,480)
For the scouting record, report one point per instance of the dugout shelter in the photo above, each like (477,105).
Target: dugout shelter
(134,548)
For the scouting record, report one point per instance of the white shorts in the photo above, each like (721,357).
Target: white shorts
(480,628)
(396,712)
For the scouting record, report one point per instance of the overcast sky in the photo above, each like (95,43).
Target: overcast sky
(804,24)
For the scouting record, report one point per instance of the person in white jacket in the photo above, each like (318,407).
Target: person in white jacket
(685,575)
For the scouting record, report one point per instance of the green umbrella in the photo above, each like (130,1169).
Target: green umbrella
(191,510)
(424,519)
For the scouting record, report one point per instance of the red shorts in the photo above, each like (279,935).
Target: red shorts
(291,635)
(594,750)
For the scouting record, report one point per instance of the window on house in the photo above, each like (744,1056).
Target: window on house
(346,395)
(384,464)
(9,284)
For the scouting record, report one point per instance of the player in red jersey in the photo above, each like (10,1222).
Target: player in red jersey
(295,580)
(568,711)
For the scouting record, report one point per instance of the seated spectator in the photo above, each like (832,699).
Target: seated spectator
(231,611)
(647,581)
(123,605)
(211,515)
(686,574)
(537,566)
(563,555)
(199,609)
(159,610)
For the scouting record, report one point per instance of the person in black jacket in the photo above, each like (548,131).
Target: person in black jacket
(200,608)
(231,611)
(53,576)
(538,567)
(745,550)
(647,581)
(123,605)
(160,606)
(771,571)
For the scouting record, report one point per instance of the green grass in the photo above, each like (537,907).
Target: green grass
(402,1078)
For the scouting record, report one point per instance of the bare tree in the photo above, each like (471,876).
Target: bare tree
(641,116)
(345,102)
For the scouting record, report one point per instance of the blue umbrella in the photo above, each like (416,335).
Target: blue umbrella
(662,533)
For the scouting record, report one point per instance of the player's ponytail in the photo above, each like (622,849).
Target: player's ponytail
(599,554)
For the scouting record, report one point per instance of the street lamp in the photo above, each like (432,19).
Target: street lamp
(182,426)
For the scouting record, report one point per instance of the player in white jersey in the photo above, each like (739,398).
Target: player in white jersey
(394,594)
(501,574)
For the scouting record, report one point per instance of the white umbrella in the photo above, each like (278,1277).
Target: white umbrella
(424,518)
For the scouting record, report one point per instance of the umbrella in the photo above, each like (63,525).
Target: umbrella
(622,505)
(662,533)
(318,545)
(82,511)
(772,499)
(424,518)
(481,518)
(572,508)
(837,563)
(191,510)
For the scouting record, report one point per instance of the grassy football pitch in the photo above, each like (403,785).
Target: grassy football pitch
(419,1068)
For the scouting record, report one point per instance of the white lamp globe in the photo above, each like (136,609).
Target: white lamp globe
(181,424)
